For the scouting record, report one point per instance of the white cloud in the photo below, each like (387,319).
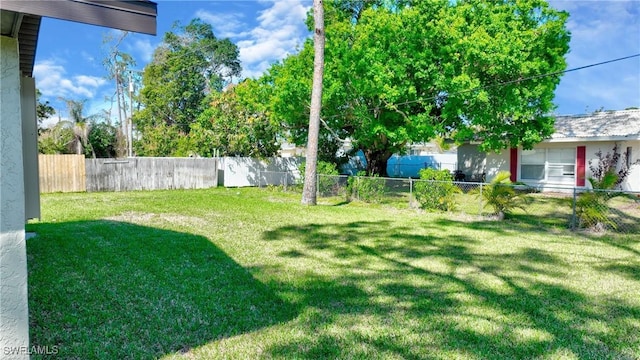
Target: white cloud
(227,25)
(89,81)
(280,29)
(601,31)
(144,49)
(54,83)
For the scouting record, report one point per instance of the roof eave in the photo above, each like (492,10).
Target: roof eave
(593,139)
(136,16)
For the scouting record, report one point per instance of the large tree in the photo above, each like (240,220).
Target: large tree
(310,185)
(236,123)
(186,67)
(398,72)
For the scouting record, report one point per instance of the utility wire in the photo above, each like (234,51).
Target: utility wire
(516,80)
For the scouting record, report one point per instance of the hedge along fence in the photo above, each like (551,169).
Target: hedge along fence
(151,174)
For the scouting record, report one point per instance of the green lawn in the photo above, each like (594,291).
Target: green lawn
(250,273)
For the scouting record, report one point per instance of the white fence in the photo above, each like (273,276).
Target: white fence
(242,171)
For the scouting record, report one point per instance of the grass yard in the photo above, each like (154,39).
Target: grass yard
(250,273)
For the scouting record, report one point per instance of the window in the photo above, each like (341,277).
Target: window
(533,163)
(552,165)
(629,157)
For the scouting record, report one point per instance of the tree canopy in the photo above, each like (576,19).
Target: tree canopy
(398,72)
(236,123)
(190,64)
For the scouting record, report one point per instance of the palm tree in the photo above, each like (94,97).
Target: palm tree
(80,126)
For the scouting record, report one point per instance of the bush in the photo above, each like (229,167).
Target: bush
(366,188)
(607,173)
(502,195)
(326,184)
(592,211)
(439,192)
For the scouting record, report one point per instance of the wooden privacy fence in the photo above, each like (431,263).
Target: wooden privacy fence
(62,173)
(73,173)
(151,174)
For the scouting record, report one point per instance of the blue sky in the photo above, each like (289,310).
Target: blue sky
(69,56)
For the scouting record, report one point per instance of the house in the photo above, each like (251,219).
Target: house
(563,160)
(19,189)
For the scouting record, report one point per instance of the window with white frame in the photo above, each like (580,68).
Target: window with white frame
(548,165)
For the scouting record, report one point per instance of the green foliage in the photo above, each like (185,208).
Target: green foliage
(438,193)
(43,109)
(593,212)
(160,140)
(236,124)
(609,170)
(80,134)
(607,174)
(55,140)
(366,188)
(326,184)
(501,195)
(103,139)
(398,72)
(187,66)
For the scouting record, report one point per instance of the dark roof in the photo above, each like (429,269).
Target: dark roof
(21,20)
(603,124)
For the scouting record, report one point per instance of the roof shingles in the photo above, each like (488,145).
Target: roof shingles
(607,124)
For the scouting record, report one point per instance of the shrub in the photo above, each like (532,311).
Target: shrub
(592,210)
(366,188)
(501,195)
(436,191)
(326,184)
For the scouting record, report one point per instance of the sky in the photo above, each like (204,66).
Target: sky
(69,55)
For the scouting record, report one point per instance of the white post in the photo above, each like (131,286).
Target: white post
(130,127)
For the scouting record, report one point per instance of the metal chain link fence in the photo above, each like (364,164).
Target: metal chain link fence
(565,207)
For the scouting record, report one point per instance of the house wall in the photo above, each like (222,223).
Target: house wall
(14,314)
(471,161)
(632,183)
(497,162)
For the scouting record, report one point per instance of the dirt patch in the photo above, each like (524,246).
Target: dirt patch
(142,218)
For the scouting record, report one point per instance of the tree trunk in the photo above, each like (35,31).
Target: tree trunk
(310,174)
(377,162)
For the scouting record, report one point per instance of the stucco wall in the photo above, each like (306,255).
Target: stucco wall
(497,162)
(471,161)
(633,179)
(14,315)
(632,183)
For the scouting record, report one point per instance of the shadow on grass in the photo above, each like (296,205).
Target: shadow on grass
(393,293)
(115,290)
